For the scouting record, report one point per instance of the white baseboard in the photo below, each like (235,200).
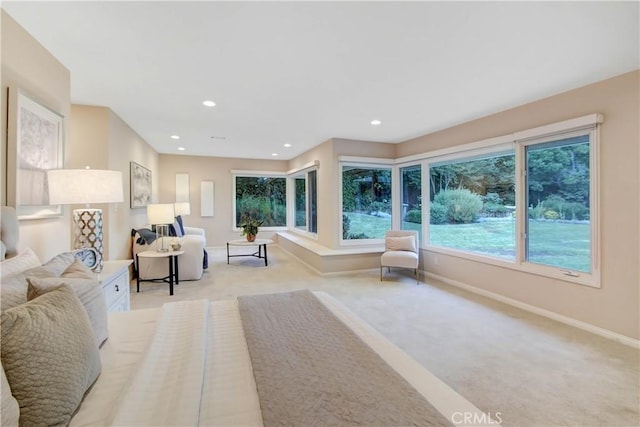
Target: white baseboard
(623,339)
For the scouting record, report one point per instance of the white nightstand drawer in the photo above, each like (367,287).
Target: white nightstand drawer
(115,283)
(113,289)
(121,304)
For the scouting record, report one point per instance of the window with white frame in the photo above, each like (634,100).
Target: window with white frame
(305,193)
(261,196)
(472,204)
(558,198)
(411,198)
(530,204)
(366,201)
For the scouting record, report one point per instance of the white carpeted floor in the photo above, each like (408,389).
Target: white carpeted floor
(528,370)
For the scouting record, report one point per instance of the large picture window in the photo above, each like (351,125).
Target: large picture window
(366,201)
(262,198)
(527,201)
(473,203)
(558,231)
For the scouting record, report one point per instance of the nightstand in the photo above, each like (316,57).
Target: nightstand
(115,282)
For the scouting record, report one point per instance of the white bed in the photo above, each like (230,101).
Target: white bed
(139,372)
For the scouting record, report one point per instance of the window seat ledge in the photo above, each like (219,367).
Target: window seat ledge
(327,260)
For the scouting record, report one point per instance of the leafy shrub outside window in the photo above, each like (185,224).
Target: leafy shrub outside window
(438,213)
(414,216)
(462,206)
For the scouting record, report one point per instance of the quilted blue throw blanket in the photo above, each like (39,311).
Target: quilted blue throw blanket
(312,369)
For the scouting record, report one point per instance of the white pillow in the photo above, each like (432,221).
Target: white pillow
(10,410)
(23,261)
(401,243)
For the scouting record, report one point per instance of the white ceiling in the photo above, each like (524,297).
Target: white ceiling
(304,72)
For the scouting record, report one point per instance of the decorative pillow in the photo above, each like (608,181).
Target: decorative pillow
(49,355)
(59,263)
(180,224)
(401,243)
(23,261)
(88,291)
(175,230)
(13,291)
(79,270)
(10,410)
(146,236)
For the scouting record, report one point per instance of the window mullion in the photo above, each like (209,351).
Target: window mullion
(521,205)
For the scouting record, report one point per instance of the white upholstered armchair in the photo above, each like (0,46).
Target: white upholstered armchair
(191,262)
(401,250)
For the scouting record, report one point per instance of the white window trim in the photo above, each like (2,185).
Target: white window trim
(520,140)
(592,278)
(235,173)
(291,198)
(315,165)
(396,193)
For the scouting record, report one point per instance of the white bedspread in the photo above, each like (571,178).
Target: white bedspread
(188,364)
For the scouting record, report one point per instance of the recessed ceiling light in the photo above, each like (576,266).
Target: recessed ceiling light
(287,145)
(208,103)
(181,148)
(376,122)
(218,137)
(274,154)
(175,137)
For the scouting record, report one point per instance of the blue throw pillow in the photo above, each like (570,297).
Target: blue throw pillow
(146,236)
(174,230)
(179,221)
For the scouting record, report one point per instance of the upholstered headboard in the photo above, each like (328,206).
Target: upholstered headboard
(9,232)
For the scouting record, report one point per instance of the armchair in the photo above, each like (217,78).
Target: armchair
(190,263)
(401,250)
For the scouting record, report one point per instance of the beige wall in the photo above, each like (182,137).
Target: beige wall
(28,66)
(218,228)
(125,145)
(327,183)
(328,153)
(615,305)
(101,140)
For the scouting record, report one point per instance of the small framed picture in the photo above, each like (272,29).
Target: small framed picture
(140,186)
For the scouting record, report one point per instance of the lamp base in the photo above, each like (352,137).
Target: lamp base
(162,231)
(88,233)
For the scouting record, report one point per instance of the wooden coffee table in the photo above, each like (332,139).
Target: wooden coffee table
(260,253)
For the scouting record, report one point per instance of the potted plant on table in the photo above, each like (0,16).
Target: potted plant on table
(250,228)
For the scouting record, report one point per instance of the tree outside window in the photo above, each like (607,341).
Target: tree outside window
(366,202)
(262,198)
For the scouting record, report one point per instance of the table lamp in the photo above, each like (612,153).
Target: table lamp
(161,215)
(182,208)
(86,186)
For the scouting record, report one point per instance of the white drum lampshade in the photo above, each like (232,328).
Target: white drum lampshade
(182,208)
(86,186)
(161,215)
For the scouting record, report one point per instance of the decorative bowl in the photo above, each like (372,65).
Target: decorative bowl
(176,246)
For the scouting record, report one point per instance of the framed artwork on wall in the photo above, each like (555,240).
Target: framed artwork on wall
(140,186)
(35,144)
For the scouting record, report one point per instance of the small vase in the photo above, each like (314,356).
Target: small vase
(251,237)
